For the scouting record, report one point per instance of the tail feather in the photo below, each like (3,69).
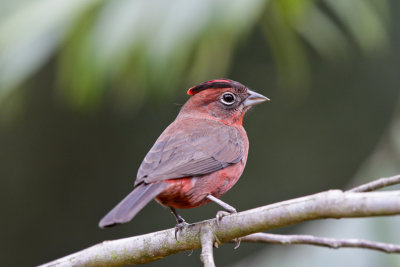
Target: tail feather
(132,204)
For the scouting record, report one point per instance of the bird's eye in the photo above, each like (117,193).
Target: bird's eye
(228,99)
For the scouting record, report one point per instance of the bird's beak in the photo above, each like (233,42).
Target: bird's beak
(254,99)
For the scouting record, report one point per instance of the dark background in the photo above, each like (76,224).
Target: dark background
(63,167)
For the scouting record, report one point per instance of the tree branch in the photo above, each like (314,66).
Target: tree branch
(320,241)
(154,246)
(377,184)
(207,241)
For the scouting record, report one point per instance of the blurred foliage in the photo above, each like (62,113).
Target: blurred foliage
(129,48)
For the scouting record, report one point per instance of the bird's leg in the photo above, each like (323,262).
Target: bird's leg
(220,214)
(180,222)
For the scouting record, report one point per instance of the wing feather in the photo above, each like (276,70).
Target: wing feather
(191,147)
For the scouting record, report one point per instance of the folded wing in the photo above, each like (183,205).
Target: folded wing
(191,147)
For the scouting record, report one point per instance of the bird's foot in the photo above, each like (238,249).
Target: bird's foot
(221,214)
(179,227)
(180,223)
(228,208)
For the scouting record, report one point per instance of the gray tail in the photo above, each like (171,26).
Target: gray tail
(132,204)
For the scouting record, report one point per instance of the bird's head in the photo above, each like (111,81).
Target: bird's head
(222,99)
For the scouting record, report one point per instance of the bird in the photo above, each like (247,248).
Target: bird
(197,158)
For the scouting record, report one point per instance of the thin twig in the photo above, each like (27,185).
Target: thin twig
(207,241)
(377,184)
(320,241)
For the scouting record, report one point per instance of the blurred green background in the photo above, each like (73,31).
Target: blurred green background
(87,86)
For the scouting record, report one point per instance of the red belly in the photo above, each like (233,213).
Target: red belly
(190,192)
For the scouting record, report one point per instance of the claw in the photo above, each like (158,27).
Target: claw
(180,223)
(216,245)
(190,253)
(222,213)
(237,243)
(179,227)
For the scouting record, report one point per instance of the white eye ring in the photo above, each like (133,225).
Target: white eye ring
(228,99)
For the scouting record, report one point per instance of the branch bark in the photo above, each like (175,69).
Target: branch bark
(150,247)
(207,241)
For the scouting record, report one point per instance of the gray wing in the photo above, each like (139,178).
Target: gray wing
(191,148)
